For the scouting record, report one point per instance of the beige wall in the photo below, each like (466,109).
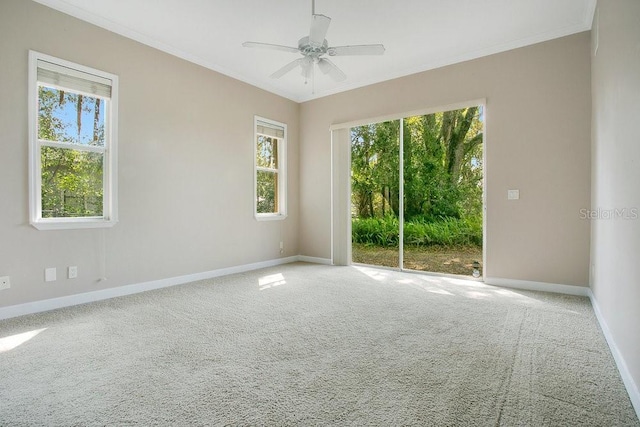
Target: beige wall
(538,136)
(185,165)
(615,252)
(185,160)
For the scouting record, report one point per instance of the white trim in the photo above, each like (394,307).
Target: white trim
(314,260)
(480,102)
(71,300)
(109,150)
(451,60)
(340,197)
(436,274)
(590,14)
(627,379)
(281,171)
(269,217)
(421,112)
(71,146)
(35,199)
(130,33)
(400,195)
(73,223)
(485,139)
(595,30)
(529,285)
(332,171)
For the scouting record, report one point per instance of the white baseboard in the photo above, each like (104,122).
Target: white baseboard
(67,301)
(528,285)
(627,379)
(314,260)
(70,300)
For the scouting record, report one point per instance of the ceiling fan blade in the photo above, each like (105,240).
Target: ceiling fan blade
(363,49)
(328,67)
(270,46)
(319,28)
(284,70)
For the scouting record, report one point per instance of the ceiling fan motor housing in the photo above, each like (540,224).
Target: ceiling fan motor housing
(311,49)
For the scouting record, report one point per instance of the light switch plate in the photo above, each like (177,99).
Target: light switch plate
(50,274)
(513,194)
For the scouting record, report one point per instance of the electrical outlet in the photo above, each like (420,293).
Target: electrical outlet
(5,283)
(50,274)
(72,272)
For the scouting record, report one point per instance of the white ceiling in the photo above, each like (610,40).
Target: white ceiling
(418,34)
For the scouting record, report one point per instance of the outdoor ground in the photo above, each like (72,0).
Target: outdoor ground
(437,259)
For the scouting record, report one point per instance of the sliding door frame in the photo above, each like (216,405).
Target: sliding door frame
(341,181)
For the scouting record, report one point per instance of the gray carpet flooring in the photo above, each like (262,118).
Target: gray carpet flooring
(308,345)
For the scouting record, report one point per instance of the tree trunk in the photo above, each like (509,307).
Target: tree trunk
(79,116)
(371,211)
(457,126)
(96,122)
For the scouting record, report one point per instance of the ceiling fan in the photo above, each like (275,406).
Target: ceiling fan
(314,48)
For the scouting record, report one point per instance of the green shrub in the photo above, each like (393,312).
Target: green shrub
(418,231)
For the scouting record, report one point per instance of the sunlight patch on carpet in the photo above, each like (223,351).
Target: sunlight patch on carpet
(13,341)
(271,281)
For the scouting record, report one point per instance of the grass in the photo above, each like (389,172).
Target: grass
(436,259)
(449,232)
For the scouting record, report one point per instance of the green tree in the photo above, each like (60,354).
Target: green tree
(72,180)
(374,156)
(442,166)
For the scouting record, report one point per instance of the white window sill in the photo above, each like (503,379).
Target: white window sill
(270,217)
(72,223)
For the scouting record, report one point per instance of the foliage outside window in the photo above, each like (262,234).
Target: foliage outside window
(270,173)
(442,166)
(72,144)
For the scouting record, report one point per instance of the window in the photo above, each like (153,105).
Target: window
(72,144)
(270,169)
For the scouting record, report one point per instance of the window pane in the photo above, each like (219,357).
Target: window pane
(70,117)
(71,183)
(267,194)
(267,152)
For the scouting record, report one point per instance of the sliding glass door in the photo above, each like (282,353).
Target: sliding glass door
(417,192)
(375,193)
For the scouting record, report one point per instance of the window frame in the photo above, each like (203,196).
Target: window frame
(110,154)
(281,170)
